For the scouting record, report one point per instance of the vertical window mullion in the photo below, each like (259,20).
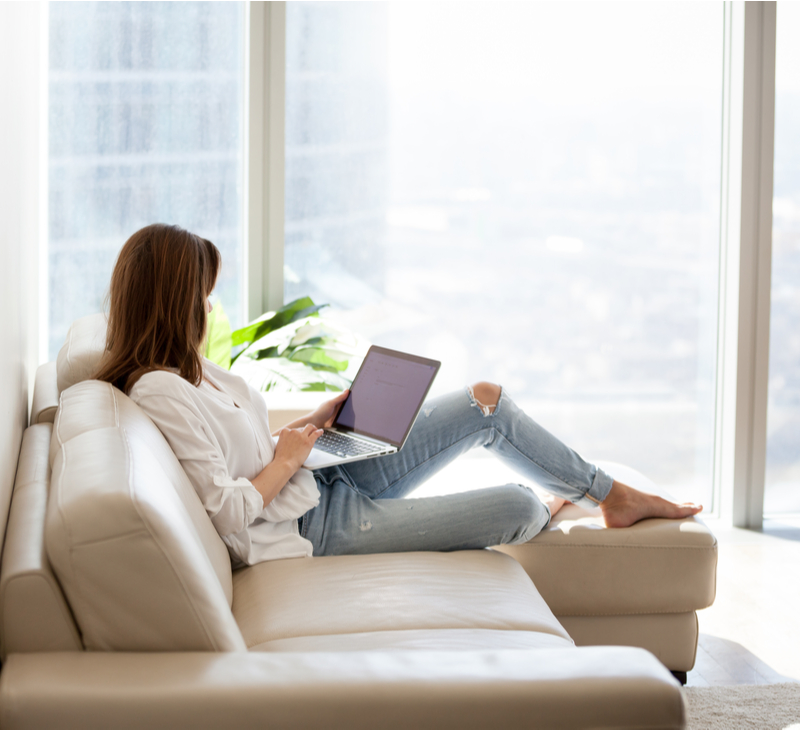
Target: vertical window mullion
(266,154)
(744,363)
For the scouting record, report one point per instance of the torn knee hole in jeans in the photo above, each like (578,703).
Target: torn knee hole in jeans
(486,410)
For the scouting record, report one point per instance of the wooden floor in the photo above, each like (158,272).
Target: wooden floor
(750,635)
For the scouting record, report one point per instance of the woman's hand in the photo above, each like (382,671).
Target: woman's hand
(295,444)
(325,415)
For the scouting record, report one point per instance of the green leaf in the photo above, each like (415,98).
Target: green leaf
(318,387)
(218,337)
(319,357)
(281,374)
(265,353)
(298,309)
(294,349)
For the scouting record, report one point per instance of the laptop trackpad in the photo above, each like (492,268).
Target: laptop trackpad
(317,459)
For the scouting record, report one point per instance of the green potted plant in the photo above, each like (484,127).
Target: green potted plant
(292,349)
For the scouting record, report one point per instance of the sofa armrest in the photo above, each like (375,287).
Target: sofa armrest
(601,687)
(45,394)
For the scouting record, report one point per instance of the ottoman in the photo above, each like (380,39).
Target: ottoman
(636,586)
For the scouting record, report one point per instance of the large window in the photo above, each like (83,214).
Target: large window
(528,192)
(145,126)
(783,432)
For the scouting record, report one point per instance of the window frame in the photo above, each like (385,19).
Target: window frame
(745,228)
(265,158)
(748,119)
(745,258)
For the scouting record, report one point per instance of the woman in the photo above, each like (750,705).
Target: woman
(262,502)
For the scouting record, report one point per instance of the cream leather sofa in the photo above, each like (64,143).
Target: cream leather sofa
(119,609)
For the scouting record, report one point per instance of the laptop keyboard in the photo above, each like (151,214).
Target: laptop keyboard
(342,445)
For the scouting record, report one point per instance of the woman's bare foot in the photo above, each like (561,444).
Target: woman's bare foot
(554,503)
(625,505)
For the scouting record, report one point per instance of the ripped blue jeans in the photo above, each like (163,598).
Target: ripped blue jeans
(364,506)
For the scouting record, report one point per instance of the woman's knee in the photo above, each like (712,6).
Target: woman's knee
(486,395)
(529,515)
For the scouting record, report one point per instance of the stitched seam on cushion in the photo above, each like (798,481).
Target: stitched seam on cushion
(24,485)
(69,349)
(76,583)
(593,546)
(116,408)
(63,449)
(545,631)
(691,612)
(58,418)
(164,553)
(628,613)
(120,536)
(436,630)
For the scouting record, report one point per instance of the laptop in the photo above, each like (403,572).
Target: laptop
(385,398)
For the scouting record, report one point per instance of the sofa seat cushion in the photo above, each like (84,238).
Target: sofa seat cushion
(583,568)
(603,688)
(391,592)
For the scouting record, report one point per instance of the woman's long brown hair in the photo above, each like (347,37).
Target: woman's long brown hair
(157,305)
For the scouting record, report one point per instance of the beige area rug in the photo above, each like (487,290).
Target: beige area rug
(743,707)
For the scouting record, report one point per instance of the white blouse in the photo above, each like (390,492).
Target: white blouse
(221,437)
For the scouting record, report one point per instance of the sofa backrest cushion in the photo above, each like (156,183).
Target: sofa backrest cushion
(79,356)
(93,405)
(34,615)
(138,558)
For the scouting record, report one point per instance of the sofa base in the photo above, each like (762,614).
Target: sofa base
(615,687)
(672,637)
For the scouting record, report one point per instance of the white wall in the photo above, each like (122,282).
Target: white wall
(19,231)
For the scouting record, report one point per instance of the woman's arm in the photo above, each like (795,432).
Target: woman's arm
(293,447)
(323,416)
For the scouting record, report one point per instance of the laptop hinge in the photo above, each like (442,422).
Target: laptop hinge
(377,442)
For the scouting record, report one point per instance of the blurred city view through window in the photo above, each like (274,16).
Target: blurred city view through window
(528,192)
(783,419)
(145,120)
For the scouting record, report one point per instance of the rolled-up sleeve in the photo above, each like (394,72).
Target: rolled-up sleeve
(299,496)
(232,502)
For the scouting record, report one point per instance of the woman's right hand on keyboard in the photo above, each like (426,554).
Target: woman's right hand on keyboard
(295,444)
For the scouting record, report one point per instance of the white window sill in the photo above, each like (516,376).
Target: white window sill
(286,407)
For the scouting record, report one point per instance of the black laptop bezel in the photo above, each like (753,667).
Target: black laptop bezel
(375,349)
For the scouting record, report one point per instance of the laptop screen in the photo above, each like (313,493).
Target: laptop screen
(387,394)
